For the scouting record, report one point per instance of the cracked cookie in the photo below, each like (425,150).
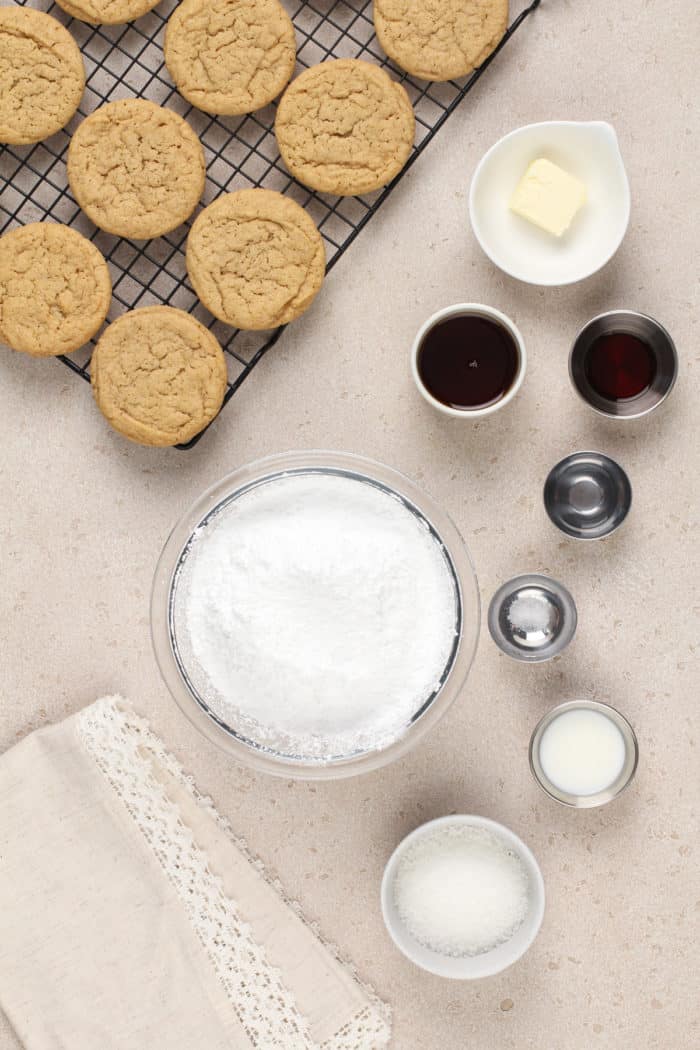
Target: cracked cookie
(55,289)
(345,127)
(106,12)
(158,376)
(230,56)
(42,76)
(439,39)
(255,259)
(136,169)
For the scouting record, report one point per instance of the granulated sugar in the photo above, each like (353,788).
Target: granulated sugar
(316,613)
(460,890)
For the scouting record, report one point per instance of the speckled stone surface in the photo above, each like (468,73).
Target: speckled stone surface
(86,514)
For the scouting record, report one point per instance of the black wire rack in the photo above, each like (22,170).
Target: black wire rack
(241,152)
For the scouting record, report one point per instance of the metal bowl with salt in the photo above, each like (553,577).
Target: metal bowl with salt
(532,618)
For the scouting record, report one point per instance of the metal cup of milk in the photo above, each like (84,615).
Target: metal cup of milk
(583,753)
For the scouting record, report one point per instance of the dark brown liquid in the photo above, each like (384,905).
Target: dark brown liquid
(468,362)
(620,366)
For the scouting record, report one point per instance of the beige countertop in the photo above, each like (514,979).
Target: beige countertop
(615,965)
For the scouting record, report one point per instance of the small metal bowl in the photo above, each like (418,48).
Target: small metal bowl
(614,789)
(587,495)
(532,618)
(656,338)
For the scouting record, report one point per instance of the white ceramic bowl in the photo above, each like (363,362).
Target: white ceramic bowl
(476,310)
(591,152)
(470,967)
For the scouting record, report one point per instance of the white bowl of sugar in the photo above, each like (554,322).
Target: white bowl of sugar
(462,897)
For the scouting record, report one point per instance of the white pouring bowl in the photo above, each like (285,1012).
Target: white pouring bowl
(588,150)
(467,968)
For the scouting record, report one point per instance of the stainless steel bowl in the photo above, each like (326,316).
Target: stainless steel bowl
(547,624)
(650,332)
(587,495)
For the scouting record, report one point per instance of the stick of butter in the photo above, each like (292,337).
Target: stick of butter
(548,196)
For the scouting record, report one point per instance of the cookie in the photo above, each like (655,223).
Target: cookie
(136,169)
(107,12)
(440,39)
(158,376)
(55,289)
(230,56)
(42,76)
(255,259)
(344,127)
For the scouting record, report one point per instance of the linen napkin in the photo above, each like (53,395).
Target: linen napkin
(131,917)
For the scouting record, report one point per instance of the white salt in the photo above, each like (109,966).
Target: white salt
(460,890)
(527,613)
(316,614)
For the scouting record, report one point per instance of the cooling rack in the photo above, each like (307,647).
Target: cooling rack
(241,152)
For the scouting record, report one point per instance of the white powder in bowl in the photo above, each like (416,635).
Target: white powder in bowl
(530,613)
(460,890)
(315,614)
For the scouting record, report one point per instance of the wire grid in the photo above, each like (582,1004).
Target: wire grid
(241,152)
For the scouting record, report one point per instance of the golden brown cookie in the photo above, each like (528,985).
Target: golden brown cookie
(42,76)
(255,259)
(230,56)
(55,289)
(136,169)
(106,12)
(344,127)
(158,376)
(439,39)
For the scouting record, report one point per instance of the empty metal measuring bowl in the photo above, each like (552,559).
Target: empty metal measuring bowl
(532,618)
(587,495)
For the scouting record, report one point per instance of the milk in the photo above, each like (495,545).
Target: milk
(582,752)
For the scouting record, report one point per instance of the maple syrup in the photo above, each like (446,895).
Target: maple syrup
(468,362)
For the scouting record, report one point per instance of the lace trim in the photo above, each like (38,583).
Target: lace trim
(370,1029)
(118,741)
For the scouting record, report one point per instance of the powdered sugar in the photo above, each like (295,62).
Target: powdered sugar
(315,614)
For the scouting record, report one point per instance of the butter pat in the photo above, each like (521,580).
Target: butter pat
(548,197)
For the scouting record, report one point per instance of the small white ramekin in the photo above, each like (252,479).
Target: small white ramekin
(475,310)
(471,967)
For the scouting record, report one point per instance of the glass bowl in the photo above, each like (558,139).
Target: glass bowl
(616,786)
(257,755)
